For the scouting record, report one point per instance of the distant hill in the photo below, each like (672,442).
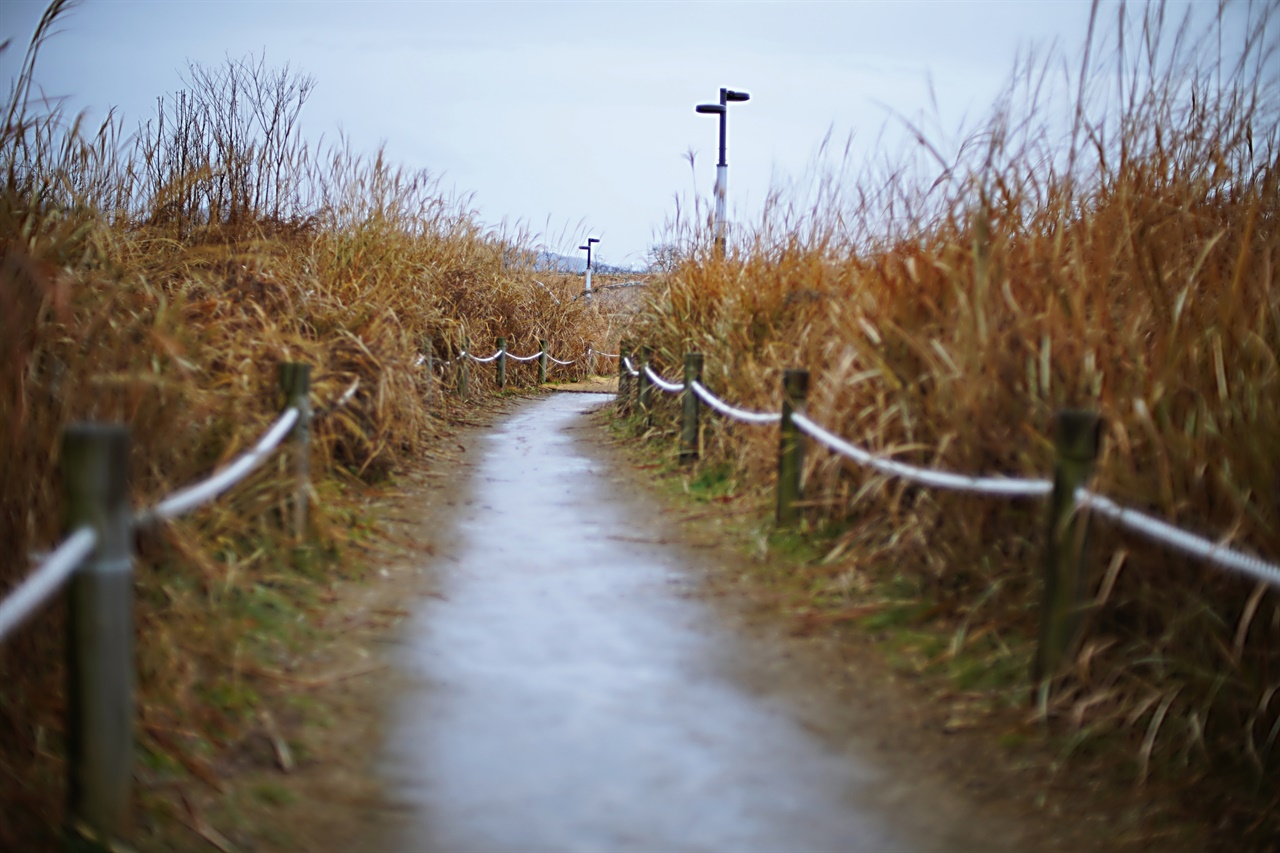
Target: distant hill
(554,262)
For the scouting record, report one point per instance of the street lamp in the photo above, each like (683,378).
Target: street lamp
(587,248)
(722,167)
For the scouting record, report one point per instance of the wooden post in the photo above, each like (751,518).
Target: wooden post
(100,675)
(429,354)
(795,387)
(591,362)
(690,407)
(1077,438)
(624,389)
(644,388)
(542,362)
(502,363)
(464,367)
(295,384)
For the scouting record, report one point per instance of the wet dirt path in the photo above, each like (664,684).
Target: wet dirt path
(567,692)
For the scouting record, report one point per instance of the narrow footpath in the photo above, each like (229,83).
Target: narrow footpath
(567,691)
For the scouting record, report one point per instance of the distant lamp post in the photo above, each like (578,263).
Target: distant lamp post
(722,167)
(587,249)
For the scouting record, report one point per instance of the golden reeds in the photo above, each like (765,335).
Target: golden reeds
(1128,265)
(158,283)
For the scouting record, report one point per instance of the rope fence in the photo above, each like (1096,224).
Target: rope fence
(1077,440)
(1181,540)
(1152,528)
(187,499)
(96,562)
(728,411)
(502,354)
(1007,487)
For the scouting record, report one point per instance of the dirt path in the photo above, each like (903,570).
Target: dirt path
(559,658)
(569,686)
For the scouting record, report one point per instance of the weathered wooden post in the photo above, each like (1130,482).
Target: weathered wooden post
(1077,439)
(644,387)
(591,362)
(690,407)
(295,384)
(464,367)
(100,706)
(429,361)
(542,362)
(502,363)
(795,388)
(624,377)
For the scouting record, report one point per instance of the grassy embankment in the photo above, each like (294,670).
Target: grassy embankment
(158,281)
(1119,255)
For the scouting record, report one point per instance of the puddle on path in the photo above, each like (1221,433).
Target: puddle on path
(565,696)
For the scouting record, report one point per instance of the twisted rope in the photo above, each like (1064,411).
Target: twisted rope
(1181,540)
(737,414)
(669,387)
(206,490)
(41,585)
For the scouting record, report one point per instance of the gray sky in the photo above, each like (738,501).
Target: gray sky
(570,117)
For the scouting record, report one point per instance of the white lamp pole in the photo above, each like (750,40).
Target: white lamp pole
(722,166)
(587,247)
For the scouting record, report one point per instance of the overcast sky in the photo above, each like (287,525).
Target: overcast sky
(571,117)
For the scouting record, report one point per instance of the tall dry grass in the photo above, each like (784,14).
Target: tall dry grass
(157,279)
(1110,242)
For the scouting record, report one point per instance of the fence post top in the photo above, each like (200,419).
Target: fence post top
(1077,433)
(95,457)
(96,431)
(795,381)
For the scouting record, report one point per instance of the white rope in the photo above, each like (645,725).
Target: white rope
(725,409)
(192,496)
(1007,486)
(39,586)
(606,354)
(669,387)
(1181,540)
(338,403)
(558,361)
(524,357)
(631,368)
(346,396)
(1149,526)
(483,360)
(548,290)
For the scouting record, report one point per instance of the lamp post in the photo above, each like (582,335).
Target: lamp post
(722,167)
(587,248)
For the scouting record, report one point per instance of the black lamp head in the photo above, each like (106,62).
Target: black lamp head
(710,109)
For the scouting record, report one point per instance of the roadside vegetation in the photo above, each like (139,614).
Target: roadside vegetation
(1107,238)
(157,279)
